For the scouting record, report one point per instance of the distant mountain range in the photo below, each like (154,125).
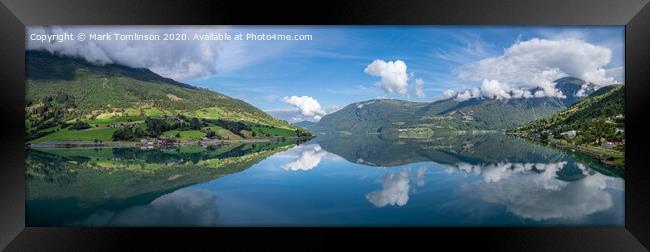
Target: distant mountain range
(420,119)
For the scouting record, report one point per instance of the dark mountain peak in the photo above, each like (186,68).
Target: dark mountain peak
(571,88)
(44,65)
(304,124)
(570,79)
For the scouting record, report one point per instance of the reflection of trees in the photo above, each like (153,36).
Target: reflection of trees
(159,156)
(114,179)
(533,181)
(51,168)
(467,148)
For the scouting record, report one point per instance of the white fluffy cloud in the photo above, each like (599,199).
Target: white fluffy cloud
(468,94)
(395,190)
(448,93)
(307,105)
(419,89)
(536,63)
(393,75)
(181,60)
(294,115)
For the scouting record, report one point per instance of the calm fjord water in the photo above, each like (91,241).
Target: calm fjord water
(465,180)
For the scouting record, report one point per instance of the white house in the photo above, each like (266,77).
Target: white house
(570,133)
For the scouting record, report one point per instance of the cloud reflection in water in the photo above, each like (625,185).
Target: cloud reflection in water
(395,190)
(184,207)
(533,190)
(309,157)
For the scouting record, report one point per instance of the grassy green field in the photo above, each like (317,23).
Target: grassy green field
(273,131)
(114,120)
(224,133)
(103,134)
(62,90)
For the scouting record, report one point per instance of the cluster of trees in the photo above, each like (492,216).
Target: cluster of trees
(300,132)
(589,132)
(49,111)
(157,126)
(79,125)
(594,119)
(154,127)
(124,134)
(210,133)
(233,126)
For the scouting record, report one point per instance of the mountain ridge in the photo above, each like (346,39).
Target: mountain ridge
(403,117)
(62,89)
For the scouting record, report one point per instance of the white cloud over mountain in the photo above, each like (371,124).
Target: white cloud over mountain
(448,93)
(180,60)
(294,114)
(536,63)
(419,88)
(393,75)
(307,105)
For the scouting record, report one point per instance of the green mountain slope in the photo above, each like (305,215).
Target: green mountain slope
(600,110)
(369,116)
(490,114)
(63,90)
(594,125)
(416,120)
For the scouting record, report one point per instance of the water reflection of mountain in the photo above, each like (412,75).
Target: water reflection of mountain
(473,149)
(532,181)
(541,195)
(64,184)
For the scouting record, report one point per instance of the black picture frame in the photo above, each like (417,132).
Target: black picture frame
(633,14)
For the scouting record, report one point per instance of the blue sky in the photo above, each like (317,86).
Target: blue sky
(330,68)
(346,64)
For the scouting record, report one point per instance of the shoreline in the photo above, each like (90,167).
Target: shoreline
(112,144)
(587,150)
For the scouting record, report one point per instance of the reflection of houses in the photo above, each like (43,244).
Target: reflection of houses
(570,133)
